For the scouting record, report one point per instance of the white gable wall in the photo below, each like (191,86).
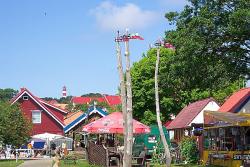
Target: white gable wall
(211,106)
(245,108)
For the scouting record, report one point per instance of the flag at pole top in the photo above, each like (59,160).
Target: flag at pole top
(169,45)
(161,42)
(123,38)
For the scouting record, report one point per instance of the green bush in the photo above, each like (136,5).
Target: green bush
(70,156)
(189,150)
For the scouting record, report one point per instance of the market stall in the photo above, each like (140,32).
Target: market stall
(54,139)
(226,138)
(104,149)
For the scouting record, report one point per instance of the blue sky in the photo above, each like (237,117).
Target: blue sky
(46,44)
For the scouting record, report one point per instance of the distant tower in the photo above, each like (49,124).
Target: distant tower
(64,92)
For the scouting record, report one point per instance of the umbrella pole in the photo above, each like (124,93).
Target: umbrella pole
(48,143)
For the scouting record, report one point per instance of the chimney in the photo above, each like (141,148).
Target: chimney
(22,89)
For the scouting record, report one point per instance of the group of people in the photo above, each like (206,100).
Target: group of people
(6,151)
(59,151)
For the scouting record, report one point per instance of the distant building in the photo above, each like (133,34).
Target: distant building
(192,113)
(75,120)
(64,92)
(238,102)
(111,100)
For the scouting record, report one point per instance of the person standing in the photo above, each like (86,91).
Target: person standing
(29,146)
(64,148)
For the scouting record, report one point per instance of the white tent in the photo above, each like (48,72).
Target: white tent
(55,138)
(47,136)
(68,141)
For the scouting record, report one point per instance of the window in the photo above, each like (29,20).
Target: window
(25,98)
(36,117)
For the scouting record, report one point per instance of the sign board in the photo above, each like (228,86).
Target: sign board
(241,156)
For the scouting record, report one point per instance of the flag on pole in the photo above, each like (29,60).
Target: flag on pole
(169,45)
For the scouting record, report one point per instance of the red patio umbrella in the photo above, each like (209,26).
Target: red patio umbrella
(113,123)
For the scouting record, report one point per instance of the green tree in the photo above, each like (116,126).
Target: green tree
(211,58)
(212,37)
(82,107)
(92,95)
(70,107)
(104,105)
(65,100)
(15,128)
(7,94)
(143,82)
(49,98)
(173,94)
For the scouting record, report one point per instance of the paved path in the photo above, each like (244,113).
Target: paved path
(37,163)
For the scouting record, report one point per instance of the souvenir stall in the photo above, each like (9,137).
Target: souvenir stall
(104,151)
(226,139)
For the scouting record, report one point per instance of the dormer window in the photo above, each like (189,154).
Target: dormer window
(25,97)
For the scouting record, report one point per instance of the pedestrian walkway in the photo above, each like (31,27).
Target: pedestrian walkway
(37,163)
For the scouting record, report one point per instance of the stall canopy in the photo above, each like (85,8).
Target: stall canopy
(68,141)
(113,123)
(227,119)
(54,138)
(47,136)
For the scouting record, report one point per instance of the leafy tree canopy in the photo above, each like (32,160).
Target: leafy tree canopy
(211,58)
(92,95)
(142,73)
(14,127)
(7,94)
(213,38)
(65,100)
(173,95)
(82,107)
(49,98)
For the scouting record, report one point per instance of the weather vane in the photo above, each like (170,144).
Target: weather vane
(123,38)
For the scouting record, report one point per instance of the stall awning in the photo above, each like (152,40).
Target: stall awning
(229,119)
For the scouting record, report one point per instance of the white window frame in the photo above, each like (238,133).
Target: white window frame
(25,97)
(37,121)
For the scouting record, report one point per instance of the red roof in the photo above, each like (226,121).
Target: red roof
(40,102)
(109,99)
(80,100)
(235,100)
(167,123)
(52,105)
(86,100)
(113,100)
(188,113)
(99,99)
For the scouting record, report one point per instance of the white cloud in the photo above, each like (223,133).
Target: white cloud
(112,17)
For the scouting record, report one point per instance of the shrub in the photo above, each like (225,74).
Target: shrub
(189,150)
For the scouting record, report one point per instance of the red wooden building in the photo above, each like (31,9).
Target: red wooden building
(44,116)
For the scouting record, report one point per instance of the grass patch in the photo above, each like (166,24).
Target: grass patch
(10,163)
(190,165)
(181,165)
(186,165)
(79,163)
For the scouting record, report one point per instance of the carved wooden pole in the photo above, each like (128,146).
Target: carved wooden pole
(129,106)
(123,97)
(163,138)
